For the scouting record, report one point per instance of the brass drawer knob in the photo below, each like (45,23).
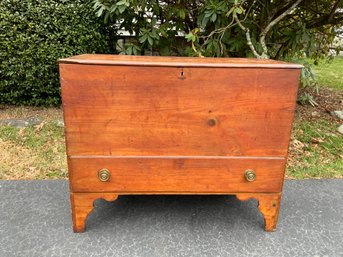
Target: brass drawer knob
(104,175)
(250,175)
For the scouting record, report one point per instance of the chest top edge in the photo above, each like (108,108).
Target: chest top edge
(176,61)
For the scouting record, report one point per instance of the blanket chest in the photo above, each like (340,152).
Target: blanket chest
(176,125)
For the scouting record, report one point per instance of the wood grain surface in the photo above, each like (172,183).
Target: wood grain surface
(176,175)
(118,111)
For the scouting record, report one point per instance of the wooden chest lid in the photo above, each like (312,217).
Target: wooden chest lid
(173,61)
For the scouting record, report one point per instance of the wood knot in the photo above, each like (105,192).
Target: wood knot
(212,122)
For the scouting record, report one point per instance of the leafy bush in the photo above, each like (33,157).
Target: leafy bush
(34,34)
(235,28)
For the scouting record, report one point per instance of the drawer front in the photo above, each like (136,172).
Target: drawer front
(163,111)
(176,175)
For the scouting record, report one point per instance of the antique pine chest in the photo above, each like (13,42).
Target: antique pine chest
(177,125)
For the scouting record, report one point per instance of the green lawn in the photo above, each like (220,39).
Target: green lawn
(330,74)
(316,150)
(35,152)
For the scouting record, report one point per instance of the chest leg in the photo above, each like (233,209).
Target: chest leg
(82,205)
(268,204)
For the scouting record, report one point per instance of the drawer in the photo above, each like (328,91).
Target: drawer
(144,111)
(176,174)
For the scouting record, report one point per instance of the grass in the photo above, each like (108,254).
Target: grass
(36,152)
(330,74)
(315,150)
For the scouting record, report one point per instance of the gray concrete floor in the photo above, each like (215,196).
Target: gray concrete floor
(35,221)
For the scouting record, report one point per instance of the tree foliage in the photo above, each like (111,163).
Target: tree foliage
(239,28)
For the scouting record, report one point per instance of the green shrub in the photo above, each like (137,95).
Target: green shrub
(34,34)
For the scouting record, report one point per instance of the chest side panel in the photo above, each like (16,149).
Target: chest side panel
(171,111)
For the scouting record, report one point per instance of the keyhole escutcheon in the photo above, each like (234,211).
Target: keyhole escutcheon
(182,74)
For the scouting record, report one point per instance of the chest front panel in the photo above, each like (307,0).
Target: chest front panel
(177,111)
